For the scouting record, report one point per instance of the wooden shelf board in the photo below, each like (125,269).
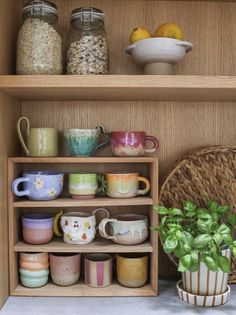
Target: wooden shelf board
(95,202)
(120,87)
(85,160)
(97,246)
(82,289)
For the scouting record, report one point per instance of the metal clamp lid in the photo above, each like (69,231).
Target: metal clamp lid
(40,7)
(87,13)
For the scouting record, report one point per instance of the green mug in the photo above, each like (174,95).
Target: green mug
(85,185)
(39,141)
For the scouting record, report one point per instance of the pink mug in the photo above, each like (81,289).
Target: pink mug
(132,143)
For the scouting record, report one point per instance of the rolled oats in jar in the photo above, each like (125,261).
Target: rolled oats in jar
(87,47)
(39,43)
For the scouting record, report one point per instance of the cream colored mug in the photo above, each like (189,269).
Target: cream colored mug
(39,141)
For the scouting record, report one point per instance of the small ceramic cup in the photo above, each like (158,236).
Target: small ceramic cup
(65,268)
(125,229)
(80,227)
(132,143)
(40,141)
(132,269)
(37,228)
(83,185)
(126,185)
(84,142)
(98,270)
(39,185)
(34,261)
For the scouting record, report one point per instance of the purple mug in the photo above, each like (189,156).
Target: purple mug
(131,143)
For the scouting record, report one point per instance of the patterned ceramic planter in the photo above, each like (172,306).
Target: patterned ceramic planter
(204,281)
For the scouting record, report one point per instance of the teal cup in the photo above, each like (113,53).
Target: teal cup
(84,142)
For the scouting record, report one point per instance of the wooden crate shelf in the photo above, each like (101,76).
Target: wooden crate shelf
(82,289)
(121,87)
(19,206)
(97,246)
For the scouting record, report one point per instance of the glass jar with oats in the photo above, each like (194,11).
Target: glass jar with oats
(39,43)
(87,47)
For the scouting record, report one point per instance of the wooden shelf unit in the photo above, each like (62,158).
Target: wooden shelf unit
(15,208)
(121,87)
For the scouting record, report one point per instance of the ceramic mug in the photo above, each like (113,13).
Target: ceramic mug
(132,269)
(84,185)
(98,270)
(84,142)
(125,229)
(39,141)
(65,268)
(126,185)
(37,228)
(79,227)
(39,185)
(132,143)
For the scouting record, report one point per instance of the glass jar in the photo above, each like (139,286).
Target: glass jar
(87,47)
(39,43)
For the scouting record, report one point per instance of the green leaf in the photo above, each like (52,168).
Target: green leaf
(204,216)
(231,219)
(175,211)
(201,241)
(215,216)
(213,205)
(179,251)
(190,214)
(227,238)
(170,244)
(184,263)
(174,226)
(223,209)
(204,225)
(218,239)
(189,206)
(188,236)
(224,263)
(234,252)
(211,263)
(224,229)
(161,210)
(187,248)
(195,257)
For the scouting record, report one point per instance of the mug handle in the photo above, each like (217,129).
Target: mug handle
(56,223)
(102,209)
(102,229)
(107,139)
(147,184)
(20,133)
(15,184)
(155,144)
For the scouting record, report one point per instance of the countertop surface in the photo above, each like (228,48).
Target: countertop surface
(166,303)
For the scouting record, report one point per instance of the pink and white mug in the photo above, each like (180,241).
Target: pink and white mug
(98,270)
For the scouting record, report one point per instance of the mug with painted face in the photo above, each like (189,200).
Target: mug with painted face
(78,227)
(126,185)
(132,143)
(39,141)
(125,229)
(39,185)
(84,142)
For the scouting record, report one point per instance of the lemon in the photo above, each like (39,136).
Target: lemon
(139,33)
(170,30)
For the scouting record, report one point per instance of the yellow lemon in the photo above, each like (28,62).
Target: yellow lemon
(170,30)
(139,33)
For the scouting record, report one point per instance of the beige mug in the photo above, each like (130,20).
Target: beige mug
(39,141)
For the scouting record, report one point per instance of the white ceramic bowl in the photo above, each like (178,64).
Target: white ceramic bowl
(203,300)
(159,49)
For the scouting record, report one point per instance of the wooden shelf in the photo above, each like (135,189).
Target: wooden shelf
(85,160)
(82,289)
(97,246)
(95,202)
(121,87)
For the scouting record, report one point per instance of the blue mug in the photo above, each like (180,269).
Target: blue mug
(39,185)
(84,142)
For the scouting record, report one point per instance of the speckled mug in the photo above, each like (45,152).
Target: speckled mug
(65,268)
(84,142)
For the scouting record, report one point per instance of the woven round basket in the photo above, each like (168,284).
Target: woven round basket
(204,174)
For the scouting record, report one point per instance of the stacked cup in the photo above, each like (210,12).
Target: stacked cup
(34,269)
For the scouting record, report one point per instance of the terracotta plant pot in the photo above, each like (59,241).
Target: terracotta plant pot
(65,268)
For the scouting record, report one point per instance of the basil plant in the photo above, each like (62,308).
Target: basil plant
(194,234)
